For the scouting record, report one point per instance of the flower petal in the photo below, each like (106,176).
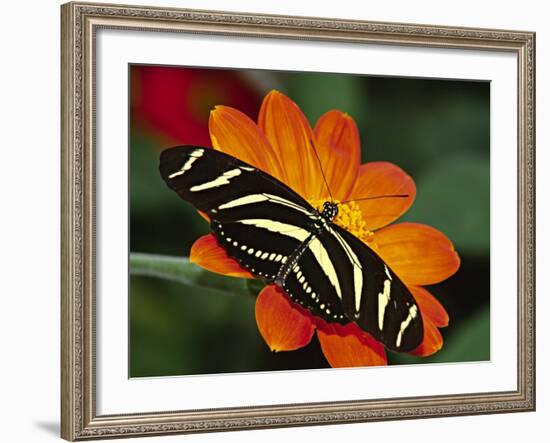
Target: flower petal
(283,326)
(204,215)
(207,253)
(290,135)
(430,306)
(337,143)
(350,347)
(236,134)
(433,341)
(417,253)
(377,179)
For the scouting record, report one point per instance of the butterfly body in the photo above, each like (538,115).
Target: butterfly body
(275,234)
(316,227)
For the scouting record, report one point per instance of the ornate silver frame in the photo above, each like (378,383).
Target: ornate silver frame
(80,21)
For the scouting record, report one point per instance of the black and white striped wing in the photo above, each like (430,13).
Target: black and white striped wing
(262,224)
(257,219)
(340,279)
(314,283)
(379,301)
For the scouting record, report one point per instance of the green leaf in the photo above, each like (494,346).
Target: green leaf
(469,341)
(454,197)
(318,93)
(148,192)
(181,270)
(178,329)
(413,122)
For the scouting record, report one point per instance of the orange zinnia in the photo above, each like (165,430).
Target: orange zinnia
(280,144)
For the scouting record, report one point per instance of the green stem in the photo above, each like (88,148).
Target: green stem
(181,270)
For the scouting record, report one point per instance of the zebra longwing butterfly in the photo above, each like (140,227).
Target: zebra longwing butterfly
(279,237)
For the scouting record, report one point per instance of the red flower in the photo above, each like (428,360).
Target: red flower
(419,254)
(173,103)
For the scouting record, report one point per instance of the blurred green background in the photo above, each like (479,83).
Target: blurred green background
(436,130)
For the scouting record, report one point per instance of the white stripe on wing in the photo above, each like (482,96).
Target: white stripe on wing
(197,153)
(356,265)
(296,232)
(259,198)
(223,179)
(325,263)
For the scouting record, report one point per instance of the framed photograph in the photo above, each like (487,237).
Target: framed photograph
(281,221)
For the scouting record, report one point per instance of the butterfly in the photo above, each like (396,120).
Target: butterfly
(276,235)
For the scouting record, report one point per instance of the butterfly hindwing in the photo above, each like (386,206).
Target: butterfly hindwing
(313,283)
(258,250)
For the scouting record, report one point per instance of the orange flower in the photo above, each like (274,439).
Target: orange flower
(419,254)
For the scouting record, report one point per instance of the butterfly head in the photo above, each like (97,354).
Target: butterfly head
(330,210)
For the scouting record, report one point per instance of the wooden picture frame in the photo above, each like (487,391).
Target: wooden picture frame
(80,23)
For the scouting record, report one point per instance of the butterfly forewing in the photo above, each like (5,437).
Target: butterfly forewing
(275,234)
(379,302)
(257,219)
(228,189)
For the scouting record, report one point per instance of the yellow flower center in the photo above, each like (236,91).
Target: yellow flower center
(350,218)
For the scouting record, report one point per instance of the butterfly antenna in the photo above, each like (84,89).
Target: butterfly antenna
(321,167)
(378,196)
